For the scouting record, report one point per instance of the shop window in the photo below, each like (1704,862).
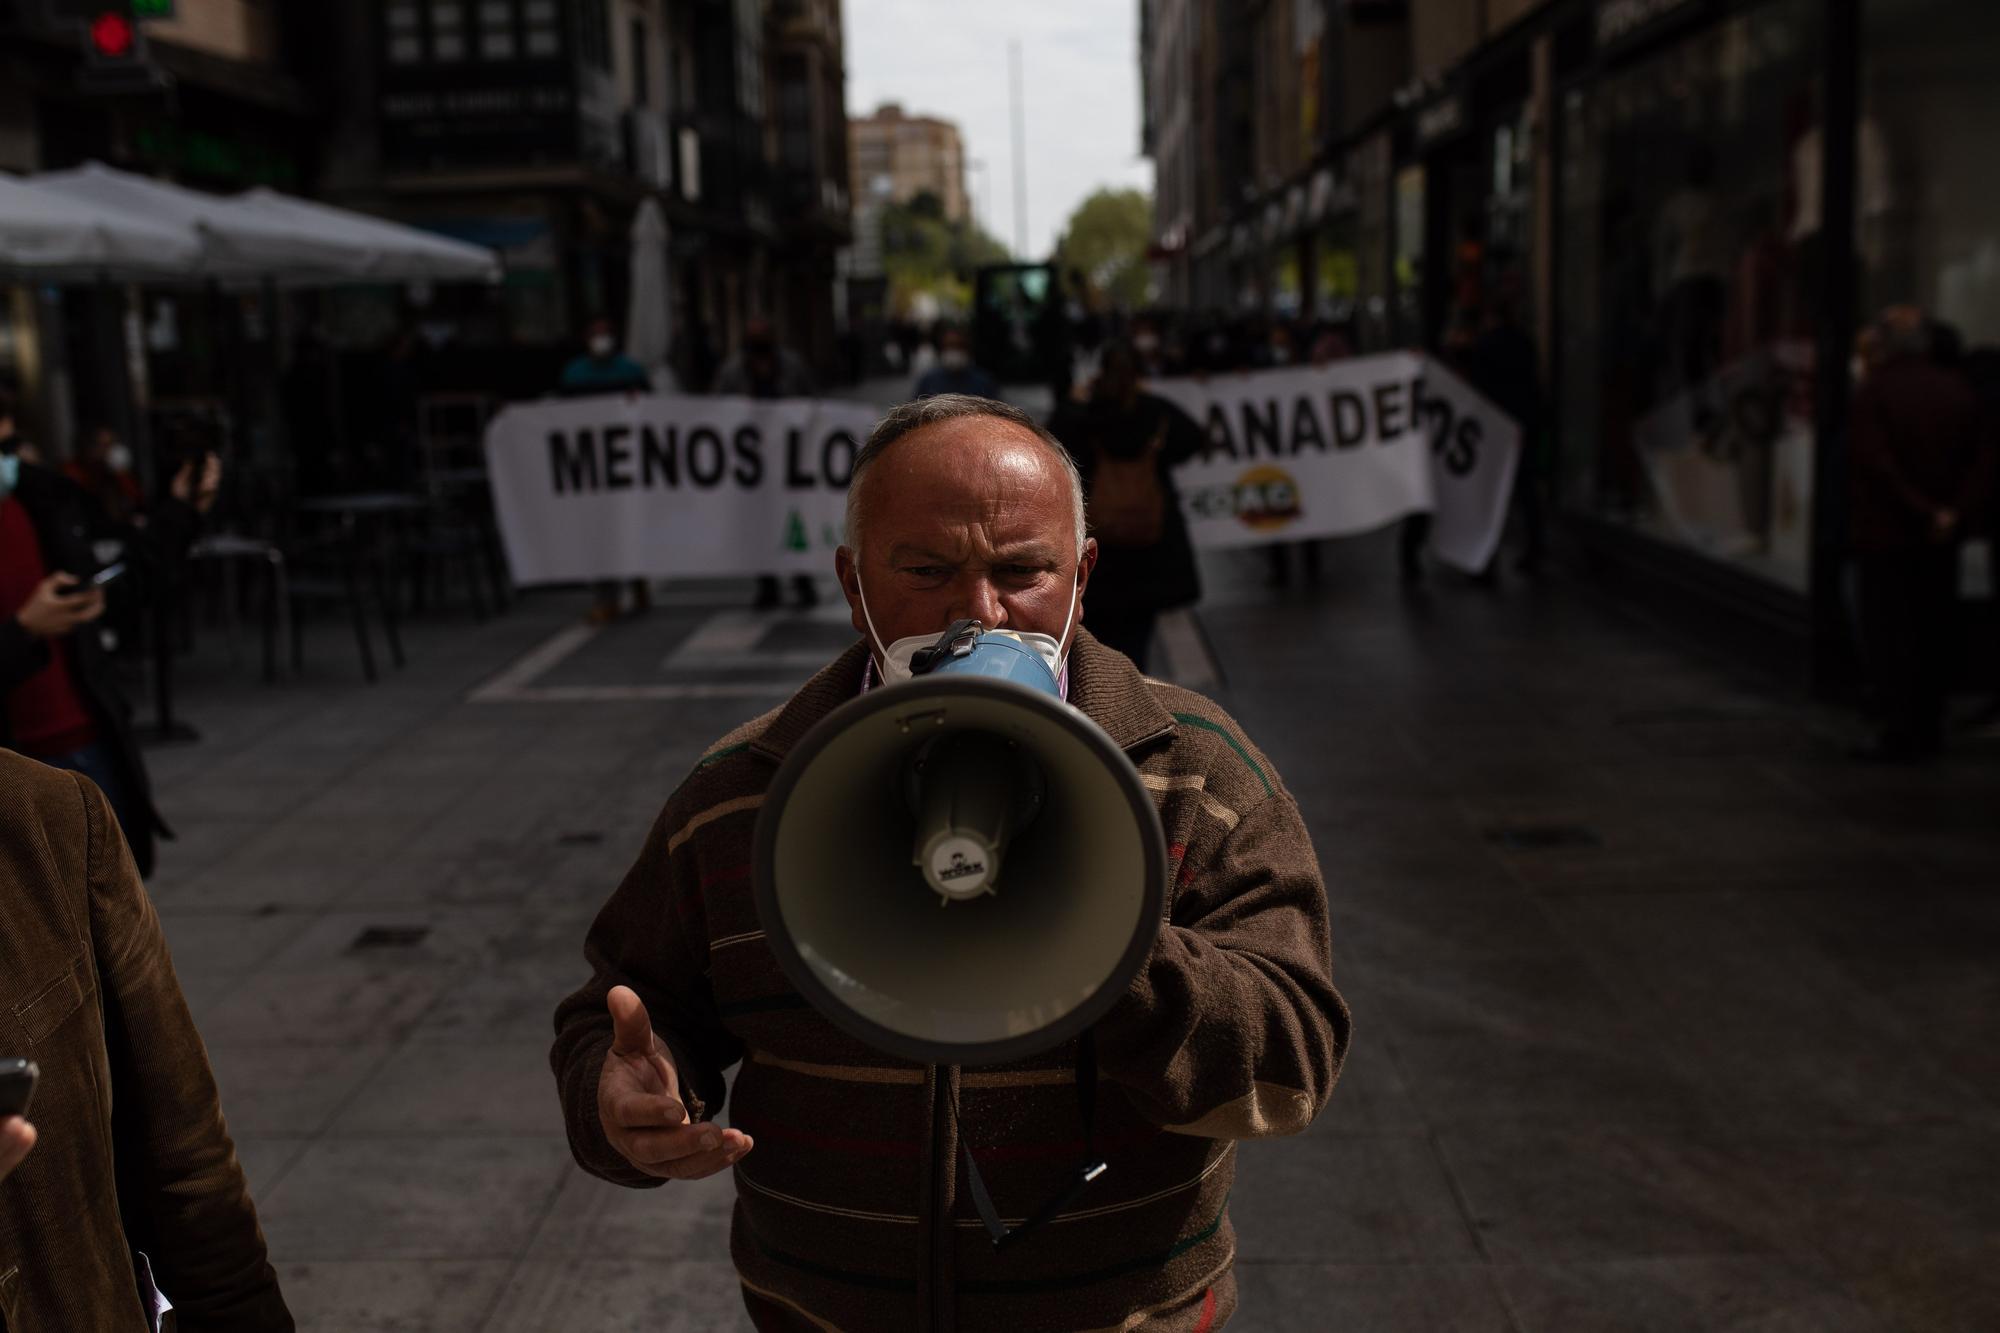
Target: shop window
(1927,199)
(1690,291)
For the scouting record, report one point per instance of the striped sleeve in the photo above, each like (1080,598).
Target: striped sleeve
(652,936)
(1233,1029)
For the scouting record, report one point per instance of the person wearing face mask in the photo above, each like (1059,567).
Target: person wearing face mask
(104,468)
(764,369)
(603,368)
(60,701)
(847,1214)
(955,371)
(1127,443)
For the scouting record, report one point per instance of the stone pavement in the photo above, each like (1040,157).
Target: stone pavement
(1667,1017)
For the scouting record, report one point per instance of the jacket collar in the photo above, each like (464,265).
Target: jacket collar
(1103,684)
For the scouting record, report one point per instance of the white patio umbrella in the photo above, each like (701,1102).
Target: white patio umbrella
(48,236)
(381,250)
(238,243)
(648,317)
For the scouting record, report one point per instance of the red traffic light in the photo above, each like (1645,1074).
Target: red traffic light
(112,35)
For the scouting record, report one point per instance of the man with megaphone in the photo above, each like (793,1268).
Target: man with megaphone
(1012,943)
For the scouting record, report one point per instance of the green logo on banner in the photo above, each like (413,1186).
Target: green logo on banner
(795,533)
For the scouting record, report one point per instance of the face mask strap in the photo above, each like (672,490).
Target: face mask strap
(882,652)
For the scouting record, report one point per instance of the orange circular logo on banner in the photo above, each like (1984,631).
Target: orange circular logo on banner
(1266,498)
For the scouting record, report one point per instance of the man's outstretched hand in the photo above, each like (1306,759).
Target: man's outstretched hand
(639,1103)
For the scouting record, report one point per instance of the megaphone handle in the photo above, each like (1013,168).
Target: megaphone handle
(1092,1168)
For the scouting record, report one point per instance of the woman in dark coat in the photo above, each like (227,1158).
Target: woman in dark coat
(1145,561)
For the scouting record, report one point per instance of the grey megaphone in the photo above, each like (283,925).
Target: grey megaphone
(962,868)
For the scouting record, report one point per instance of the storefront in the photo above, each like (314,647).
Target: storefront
(1690,235)
(1740,184)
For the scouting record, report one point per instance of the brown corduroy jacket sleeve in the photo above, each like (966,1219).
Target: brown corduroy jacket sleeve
(181,1188)
(650,936)
(1233,1029)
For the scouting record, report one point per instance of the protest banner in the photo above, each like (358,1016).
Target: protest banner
(1302,453)
(630,486)
(627,486)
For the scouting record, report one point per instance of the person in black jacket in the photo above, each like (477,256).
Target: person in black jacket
(1148,566)
(60,701)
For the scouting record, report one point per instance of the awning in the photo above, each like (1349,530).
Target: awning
(52,237)
(237,242)
(378,250)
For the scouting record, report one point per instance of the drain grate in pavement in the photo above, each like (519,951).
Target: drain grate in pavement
(1542,837)
(581,839)
(389,937)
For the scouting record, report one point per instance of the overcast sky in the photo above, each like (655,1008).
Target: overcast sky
(1080,88)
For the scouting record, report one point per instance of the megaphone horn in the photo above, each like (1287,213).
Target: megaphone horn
(974,787)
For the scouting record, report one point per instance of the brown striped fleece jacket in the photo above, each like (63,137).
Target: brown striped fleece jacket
(852,1212)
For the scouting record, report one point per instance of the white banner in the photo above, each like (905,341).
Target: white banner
(664,485)
(1302,453)
(632,487)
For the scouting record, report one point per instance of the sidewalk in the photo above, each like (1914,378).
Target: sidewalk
(1666,1016)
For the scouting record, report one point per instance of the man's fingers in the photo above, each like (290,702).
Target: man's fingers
(731,1146)
(649,1111)
(654,1147)
(631,1030)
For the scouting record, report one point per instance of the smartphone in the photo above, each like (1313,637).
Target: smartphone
(17,1086)
(107,574)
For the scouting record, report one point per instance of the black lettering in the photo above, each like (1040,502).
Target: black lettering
(706,457)
(1442,420)
(1260,426)
(617,458)
(658,460)
(795,478)
(1350,419)
(1305,426)
(1217,438)
(574,469)
(749,443)
(1463,456)
(1388,413)
(836,459)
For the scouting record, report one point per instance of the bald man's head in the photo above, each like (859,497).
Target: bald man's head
(982,426)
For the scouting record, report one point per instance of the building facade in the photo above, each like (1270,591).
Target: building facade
(539,127)
(1692,205)
(913,154)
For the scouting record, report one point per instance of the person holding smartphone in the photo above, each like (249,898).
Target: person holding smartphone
(133,1202)
(59,698)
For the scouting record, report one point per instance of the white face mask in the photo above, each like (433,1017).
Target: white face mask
(603,345)
(118,458)
(894,661)
(954,358)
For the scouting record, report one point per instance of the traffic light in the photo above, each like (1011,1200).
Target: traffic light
(113,37)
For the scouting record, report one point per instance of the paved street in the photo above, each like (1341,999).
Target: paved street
(1667,1017)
